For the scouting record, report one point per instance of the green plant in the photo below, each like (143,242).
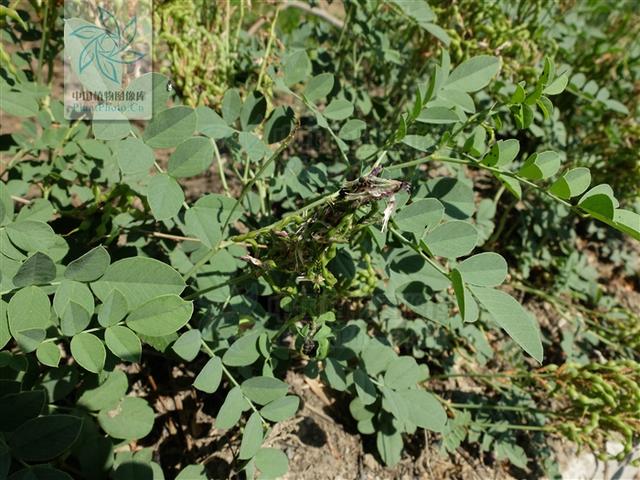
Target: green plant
(345,240)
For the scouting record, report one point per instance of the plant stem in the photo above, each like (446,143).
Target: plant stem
(44,40)
(505,408)
(233,280)
(223,177)
(207,349)
(418,249)
(243,193)
(475,164)
(267,51)
(510,426)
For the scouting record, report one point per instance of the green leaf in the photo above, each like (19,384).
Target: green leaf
(134,157)
(130,419)
(319,87)
(29,314)
(297,67)
(475,145)
(231,106)
(38,269)
(438,116)
(545,105)
(572,183)
(140,467)
(113,310)
(19,104)
(88,351)
(352,129)
(627,222)
(419,215)
(165,196)
(263,390)
(160,94)
(210,124)
(452,239)
(160,316)
(139,279)
(45,438)
(6,204)
(107,394)
(188,345)
(205,218)
(95,148)
(486,269)
(540,165)
(376,356)
(48,353)
(74,319)
(393,403)
(338,109)
(253,111)
(473,74)
(403,372)
(511,184)
(389,444)
(279,125)
(192,472)
(123,343)
(110,129)
(616,106)
(251,437)
(71,291)
(39,210)
(231,409)
(557,86)
(421,143)
(336,374)
(359,410)
(513,318)
(271,462)
(243,351)
(599,202)
(418,10)
(192,157)
(253,146)
(502,153)
(170,127)
(17,408)
(208,380)
(425,411)
(513,452)
(31,236)
(90,266)
(466,304)
(281,409)
(365,389)
(5,334)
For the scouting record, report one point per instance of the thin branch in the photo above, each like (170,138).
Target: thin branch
(318,12)
(21,200)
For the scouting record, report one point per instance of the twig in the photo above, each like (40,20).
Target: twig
(21,200)
(318,12)
(176,238)
(267,50)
